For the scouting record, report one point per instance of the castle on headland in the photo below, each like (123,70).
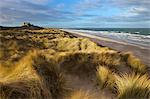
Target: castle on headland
(24,25)
(27,24)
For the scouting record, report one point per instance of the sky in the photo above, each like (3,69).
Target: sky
(76,13)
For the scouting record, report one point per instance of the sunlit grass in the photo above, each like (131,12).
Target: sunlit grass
(75,44)
(80,94)
(136,64)
(36,63)
(133,86)
(37,68)
(105,77)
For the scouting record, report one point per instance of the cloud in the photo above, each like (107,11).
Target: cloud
(60,6)
(19,11)
(130,2)
(30,1)
(22,5)
(133,7)
(129,16)
(81,11)
(88,4)
(131,11)
(136,11)
(39,1)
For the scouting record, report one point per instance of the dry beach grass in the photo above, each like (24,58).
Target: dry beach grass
(35,64)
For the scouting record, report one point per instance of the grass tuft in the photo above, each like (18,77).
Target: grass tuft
(133,86)
(33,76)
(135,63)
(30,89)
(105,77)
(51,76)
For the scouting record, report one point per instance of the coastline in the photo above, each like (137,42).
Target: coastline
(140,52)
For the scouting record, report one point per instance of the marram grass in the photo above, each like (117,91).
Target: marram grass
(133,86)
(40,74)
(23,89)
(51,76)
(33,77)
(134,63)
(105,77)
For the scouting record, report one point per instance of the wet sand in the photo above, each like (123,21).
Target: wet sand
(140,52)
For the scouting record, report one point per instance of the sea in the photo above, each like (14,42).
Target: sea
(136,36)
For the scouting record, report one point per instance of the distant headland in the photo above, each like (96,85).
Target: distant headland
(24,25)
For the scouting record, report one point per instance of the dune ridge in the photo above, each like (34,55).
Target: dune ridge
(54,64)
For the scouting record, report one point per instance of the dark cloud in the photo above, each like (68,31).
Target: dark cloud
(19,11)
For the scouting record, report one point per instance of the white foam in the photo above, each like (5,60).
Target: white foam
(143,40)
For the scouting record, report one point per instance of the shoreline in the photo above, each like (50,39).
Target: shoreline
(142,53)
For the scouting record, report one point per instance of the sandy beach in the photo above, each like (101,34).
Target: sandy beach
(141,52)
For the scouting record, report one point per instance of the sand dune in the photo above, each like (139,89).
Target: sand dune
(54,64)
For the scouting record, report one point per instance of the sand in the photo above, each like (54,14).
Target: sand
(140,52)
